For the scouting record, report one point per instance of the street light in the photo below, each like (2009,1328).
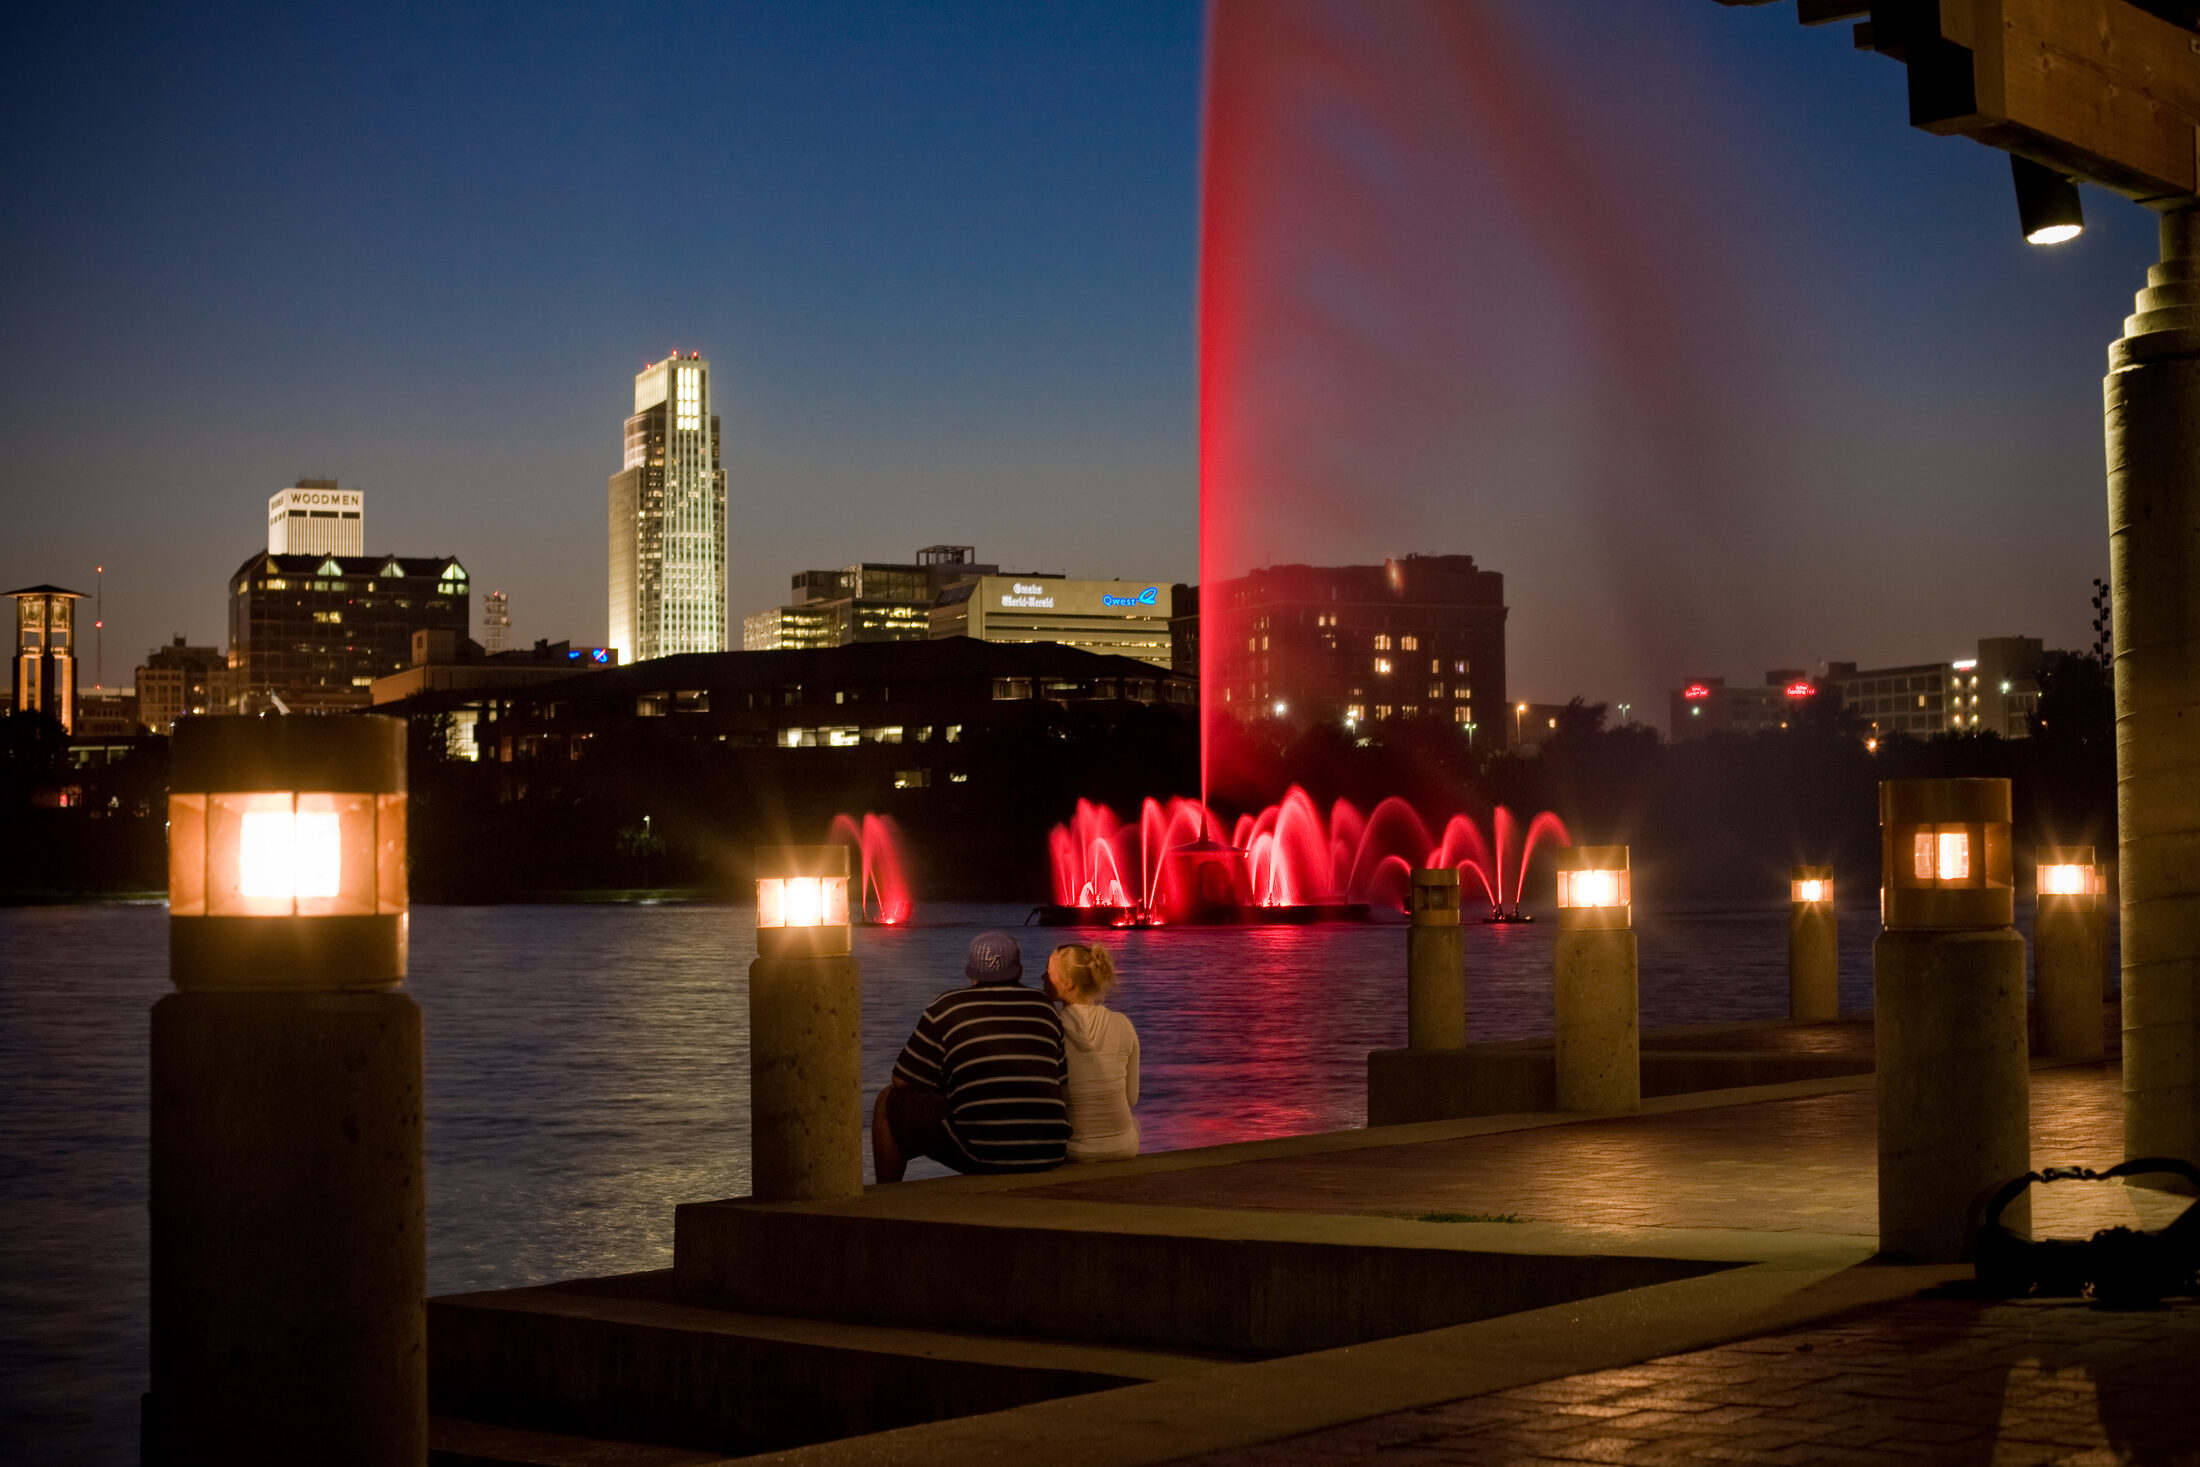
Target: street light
(1954,1105)
(1945,854)
(2047,203)
(1596,1033)
(1520,711)
(805,1030)
(802,906)
(1814,982)
(289,1238)
(2069,954)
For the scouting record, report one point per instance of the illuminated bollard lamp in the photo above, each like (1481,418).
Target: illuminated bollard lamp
(2069,954)
(1436,962)
(805,1030)
(289,1272)
(1814,965)
(1597,1029)
(1949,1014)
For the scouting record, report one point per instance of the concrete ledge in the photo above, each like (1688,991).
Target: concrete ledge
(616,1358)
(1409,1085)
(1169,1277)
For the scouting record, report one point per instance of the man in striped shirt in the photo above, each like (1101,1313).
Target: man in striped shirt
(979,1086)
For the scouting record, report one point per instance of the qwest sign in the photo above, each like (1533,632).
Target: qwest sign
(1151,596)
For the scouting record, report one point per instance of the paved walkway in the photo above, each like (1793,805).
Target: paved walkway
(1950,1381)
(1806,1165)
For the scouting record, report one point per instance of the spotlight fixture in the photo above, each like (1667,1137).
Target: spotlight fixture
(2047,203)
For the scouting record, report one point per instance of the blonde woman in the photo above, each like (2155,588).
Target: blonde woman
(1103,1055)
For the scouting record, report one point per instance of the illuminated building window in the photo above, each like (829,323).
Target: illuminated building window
(1382,664)
(1409,644)
(1383,710)
(1382,642)
(1436,690)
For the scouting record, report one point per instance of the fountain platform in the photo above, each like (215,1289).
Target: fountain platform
(1054,914)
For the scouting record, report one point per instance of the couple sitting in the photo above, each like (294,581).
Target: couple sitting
(996,1079)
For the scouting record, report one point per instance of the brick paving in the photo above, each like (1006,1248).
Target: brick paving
(1931,1380)
(1784,1166)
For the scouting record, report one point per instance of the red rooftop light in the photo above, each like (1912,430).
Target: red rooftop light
(1695,690)
(1800,690)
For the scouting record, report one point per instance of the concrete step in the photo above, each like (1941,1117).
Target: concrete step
(455,1442)
(627,1361)
(1175,1279)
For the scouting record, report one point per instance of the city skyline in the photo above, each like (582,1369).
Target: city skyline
(946,269)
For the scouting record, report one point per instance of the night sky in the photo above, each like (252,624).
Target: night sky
(943,259)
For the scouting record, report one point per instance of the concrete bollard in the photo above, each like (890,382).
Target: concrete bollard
(289,1260)
(2069,955)
(1954,1088)
(805,1030)
(1597,1029)
(1436,963)
(1814,947)
(2152,401)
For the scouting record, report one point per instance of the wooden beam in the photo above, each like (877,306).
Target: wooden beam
(2098,89)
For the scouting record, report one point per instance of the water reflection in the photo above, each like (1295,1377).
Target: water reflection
(588,1069)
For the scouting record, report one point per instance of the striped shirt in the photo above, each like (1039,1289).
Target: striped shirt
(995,1052)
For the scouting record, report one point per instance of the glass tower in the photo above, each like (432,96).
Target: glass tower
(668,519)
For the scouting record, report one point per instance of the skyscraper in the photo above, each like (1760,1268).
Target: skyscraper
(316,517)
(668,519)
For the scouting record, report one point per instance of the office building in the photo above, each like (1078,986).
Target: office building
(443,662)
(787,628)
(1418,637)
(45,652)
(1708,705)
(312,633)
(872,601)
(178,680)
(668,519)
(905,715)
(1996,691)
(1120,618)
(316,517)
(106,714)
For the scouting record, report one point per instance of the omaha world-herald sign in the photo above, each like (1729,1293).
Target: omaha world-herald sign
(1129,618)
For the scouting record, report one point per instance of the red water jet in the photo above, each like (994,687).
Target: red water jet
(883,895)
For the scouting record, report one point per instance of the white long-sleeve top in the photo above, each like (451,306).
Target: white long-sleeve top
(1103,1082)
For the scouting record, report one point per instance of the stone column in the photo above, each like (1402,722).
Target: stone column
(1814,965)
(1436,963)
(289,1316)
(2152,395)
(805,1078)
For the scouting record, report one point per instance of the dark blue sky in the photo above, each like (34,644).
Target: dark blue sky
(942,258)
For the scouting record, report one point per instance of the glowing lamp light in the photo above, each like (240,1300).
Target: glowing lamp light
(2048,207)
(1945,858)
(802,901)
(286,853)
(2068,871)
(1810,885)
(1595,888)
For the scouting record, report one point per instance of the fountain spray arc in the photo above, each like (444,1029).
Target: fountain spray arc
(1291,862)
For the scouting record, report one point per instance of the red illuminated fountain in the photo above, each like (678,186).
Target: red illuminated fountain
(885,899)
(1289,863)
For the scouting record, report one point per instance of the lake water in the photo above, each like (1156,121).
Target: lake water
(587,1069)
